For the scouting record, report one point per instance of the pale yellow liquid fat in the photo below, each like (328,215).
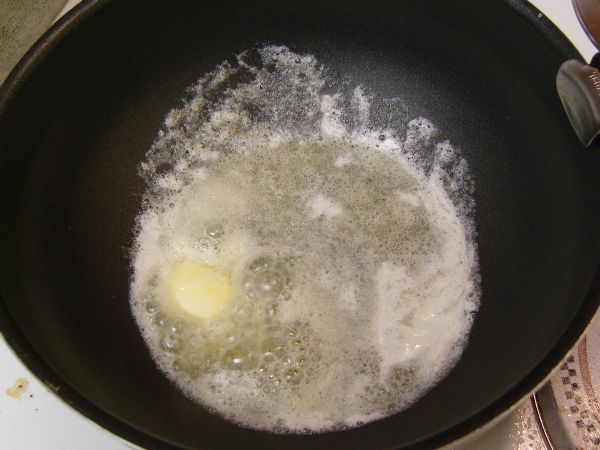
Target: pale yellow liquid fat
(297,265)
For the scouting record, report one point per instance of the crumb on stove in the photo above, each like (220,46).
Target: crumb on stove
(18,389)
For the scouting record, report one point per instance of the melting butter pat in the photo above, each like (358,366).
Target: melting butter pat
(199,289)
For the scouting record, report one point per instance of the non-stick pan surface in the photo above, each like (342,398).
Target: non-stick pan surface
(81,110)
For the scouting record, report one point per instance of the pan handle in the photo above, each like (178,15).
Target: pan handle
(578,84)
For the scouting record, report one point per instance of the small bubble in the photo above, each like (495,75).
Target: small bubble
(215,232)
(151,308)
(291,374)
(174,328)
(269,283)
(159,319)
(275,347)
(269,357)
(169,344)
(260,264)
(239,358)
(297,60)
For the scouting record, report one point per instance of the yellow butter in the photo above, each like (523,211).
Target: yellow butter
(200,289)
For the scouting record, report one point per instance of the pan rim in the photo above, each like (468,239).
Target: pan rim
(35,363)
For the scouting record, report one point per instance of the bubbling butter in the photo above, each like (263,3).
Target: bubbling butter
(299,265)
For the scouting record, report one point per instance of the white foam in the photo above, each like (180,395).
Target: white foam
(331,123)
(342,161)
(371,306)
(319,205)
(362,103)
(419,132)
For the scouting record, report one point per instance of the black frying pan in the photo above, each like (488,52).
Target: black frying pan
(80,111)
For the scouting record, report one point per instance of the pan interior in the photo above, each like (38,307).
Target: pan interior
(81,123)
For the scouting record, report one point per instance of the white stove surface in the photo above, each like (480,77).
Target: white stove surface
(40,420)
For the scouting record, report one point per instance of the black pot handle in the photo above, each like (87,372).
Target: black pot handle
(578,84)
